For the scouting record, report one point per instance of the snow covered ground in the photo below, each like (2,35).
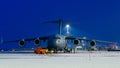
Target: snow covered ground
(70,60)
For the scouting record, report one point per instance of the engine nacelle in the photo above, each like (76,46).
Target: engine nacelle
(37,41)
(76,41)
(92,43)
(22,42)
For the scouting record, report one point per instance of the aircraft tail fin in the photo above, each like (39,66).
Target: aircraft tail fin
(60,22)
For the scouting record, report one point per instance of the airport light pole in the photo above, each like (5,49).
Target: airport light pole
(84,43)
(67,26)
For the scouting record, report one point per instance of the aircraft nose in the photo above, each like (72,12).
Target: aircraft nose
(58,41)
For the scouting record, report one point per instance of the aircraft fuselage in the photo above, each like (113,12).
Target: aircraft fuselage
(57,42)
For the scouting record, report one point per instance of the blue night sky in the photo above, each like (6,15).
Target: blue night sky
(98,19)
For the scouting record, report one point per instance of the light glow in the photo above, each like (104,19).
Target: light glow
(67,26)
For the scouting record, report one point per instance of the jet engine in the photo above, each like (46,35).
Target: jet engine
(92,43)
(37,41)
(76,41)
(92,46)
(22,42)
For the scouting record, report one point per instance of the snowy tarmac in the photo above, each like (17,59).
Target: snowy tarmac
(61,60)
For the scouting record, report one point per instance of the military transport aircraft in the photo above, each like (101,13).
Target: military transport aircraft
(56,42)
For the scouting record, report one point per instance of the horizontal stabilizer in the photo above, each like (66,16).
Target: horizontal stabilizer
(60,21)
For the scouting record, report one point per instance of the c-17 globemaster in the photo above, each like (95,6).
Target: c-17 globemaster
(57,42)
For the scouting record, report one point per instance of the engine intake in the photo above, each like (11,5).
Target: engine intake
(37,41)
(76,42)
(92,43)
(21,42)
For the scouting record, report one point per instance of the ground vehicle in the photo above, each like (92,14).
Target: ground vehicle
(43,51)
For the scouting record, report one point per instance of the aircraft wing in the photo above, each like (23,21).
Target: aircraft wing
(27,39)
(87,40)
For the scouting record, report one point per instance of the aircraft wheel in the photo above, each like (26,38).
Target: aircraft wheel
(55,51)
